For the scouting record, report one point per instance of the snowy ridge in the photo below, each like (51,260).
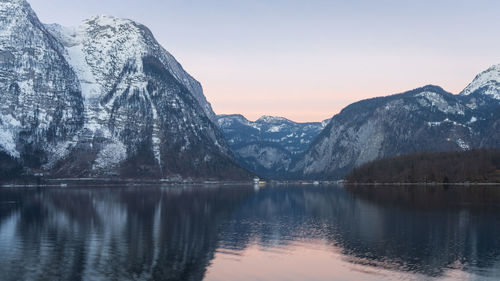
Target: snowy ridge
(487,81)
(272,119)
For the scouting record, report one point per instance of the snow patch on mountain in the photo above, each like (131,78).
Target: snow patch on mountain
(275,129)
(463,145)
(8,128)
(72,39)
(447,120)
(272,119)
(156,136)
(473,119)
(438,101)
(110,156)
(58,152)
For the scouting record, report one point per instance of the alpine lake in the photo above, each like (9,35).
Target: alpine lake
(246,232)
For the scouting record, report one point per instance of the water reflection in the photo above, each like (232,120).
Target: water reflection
(178,233)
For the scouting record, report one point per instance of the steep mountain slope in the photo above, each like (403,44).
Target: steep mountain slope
(424,119)
(483,95)
(269,145)
(485,85)
(41,105)
(137,112)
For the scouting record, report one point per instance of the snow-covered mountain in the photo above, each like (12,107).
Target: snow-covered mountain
(103,98)
(269,145)
(424,119)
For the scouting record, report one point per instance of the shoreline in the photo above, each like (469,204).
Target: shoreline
(114,182)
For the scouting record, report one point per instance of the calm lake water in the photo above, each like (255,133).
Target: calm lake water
(247,233)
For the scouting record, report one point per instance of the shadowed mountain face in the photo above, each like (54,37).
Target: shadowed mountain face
(102,99)
(426,119)
(174,233)
(269,145)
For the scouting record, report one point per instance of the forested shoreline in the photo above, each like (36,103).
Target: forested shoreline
(474,166)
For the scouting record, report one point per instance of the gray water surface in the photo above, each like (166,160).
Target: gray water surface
(249,233)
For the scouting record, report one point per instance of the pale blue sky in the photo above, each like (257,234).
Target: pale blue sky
(306,60)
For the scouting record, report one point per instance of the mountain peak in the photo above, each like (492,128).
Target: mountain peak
(432,87)
(429,88)
(107,20)
(486,83)
(14,2)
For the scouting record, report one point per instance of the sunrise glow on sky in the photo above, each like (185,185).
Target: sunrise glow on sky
(306,60)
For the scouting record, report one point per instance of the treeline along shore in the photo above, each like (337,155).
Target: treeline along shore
(473,166)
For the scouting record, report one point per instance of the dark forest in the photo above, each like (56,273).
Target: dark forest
(474,166)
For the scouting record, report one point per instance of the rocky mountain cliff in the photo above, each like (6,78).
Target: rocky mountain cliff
(102,99)
(425,119)
(269,145)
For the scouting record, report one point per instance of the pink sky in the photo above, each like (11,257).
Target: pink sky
(278,89)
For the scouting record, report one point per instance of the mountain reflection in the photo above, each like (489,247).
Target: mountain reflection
(173,233)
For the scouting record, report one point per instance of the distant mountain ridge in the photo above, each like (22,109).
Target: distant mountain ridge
(269,145)
(102,99)
(425,119)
